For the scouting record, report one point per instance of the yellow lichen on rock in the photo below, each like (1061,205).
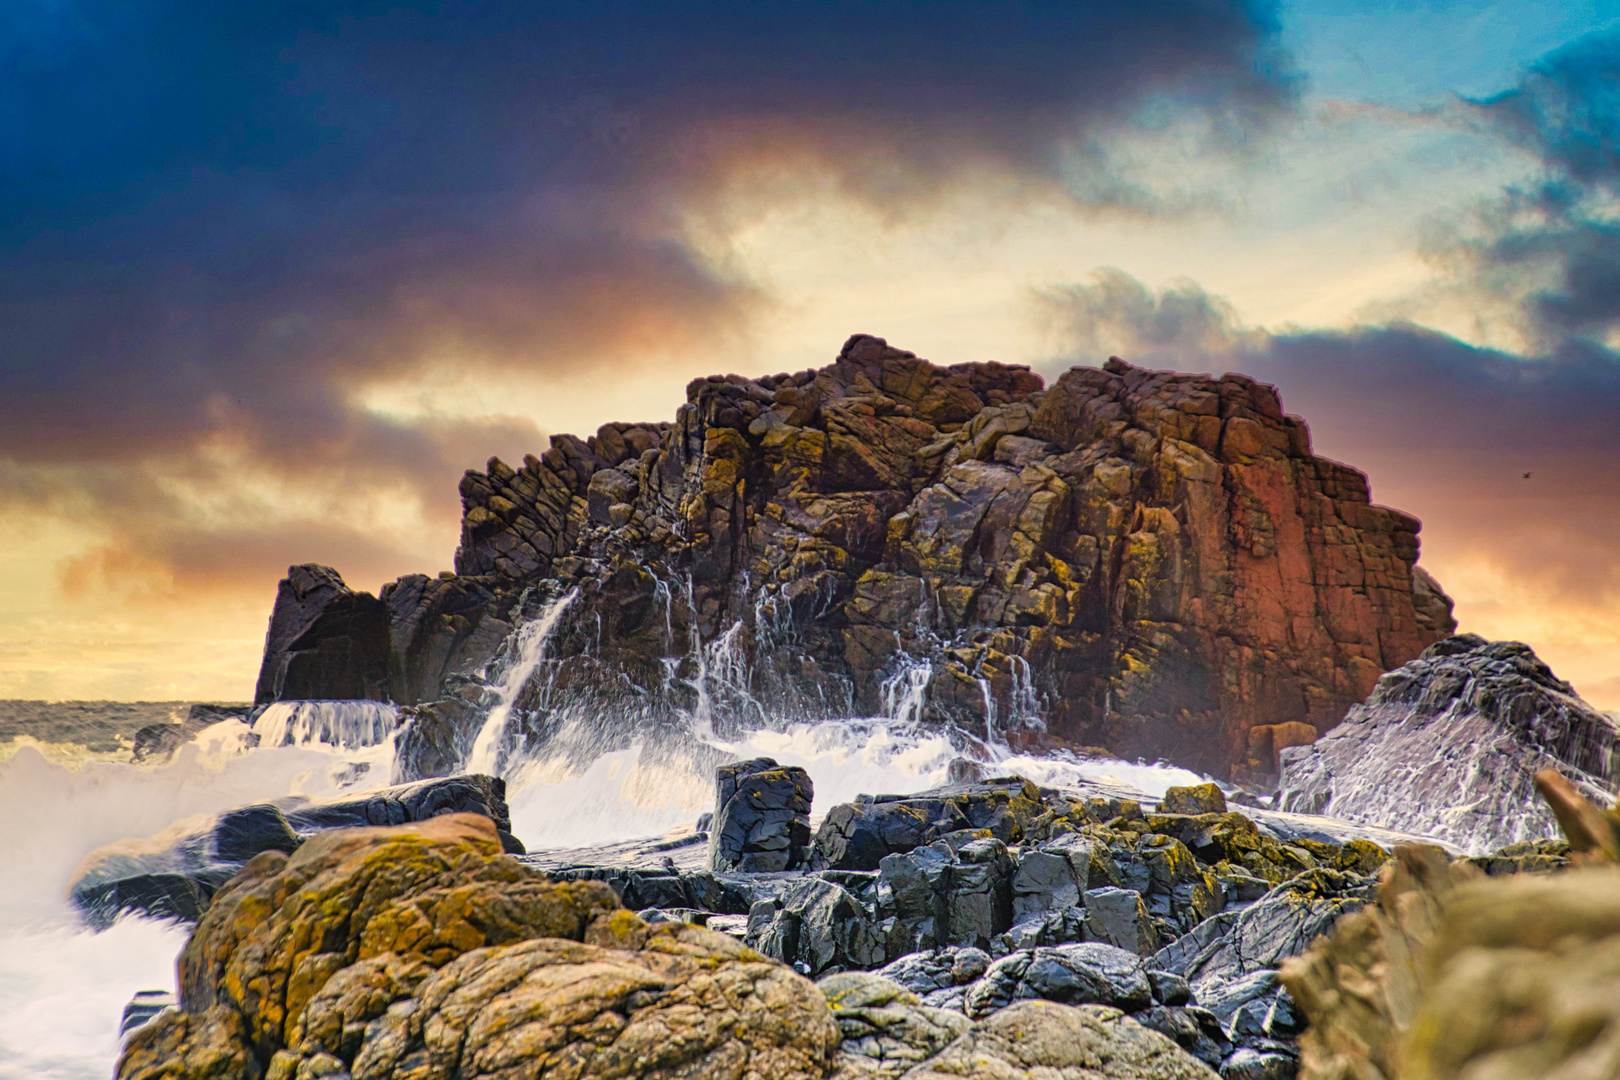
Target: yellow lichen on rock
(422,951)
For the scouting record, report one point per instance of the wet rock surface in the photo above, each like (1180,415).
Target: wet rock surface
(1447,745)
(169,876)
(424,950)
(1150,562)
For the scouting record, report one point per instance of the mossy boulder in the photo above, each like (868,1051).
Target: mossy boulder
(423,951)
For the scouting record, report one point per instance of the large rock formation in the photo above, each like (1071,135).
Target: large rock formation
(1447,744)
(1152,562)
(325,640)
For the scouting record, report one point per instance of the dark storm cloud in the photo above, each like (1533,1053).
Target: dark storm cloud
(222,219)
(1552,245)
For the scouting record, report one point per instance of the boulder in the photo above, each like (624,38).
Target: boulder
(761,818)
(423,951)
(1088,973)
(1042,1040)
(1119,918)
(325,640)
(173,875)
(1195,1030)
(1202,799)
(856,836)
(1231,959)
(816,926)
(939,977)
(885,1029)
(1446,746)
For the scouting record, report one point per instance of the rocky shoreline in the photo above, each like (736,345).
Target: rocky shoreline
(1096,929)
(1126,564)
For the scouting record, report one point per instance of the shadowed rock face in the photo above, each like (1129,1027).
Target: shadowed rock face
(1447,746)
(1146,561)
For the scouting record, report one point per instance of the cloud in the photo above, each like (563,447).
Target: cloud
(1547,251)
(227,223)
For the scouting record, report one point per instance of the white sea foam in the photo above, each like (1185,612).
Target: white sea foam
(62,988)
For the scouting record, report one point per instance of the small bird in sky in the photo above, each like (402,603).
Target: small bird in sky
(1527,476)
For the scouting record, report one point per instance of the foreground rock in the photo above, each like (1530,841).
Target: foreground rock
(1157,557)
(1038,1040)
(421,951)
(1455,974)
(1447,746)
(173,875)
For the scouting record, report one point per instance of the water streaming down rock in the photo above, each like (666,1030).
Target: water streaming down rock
(344,725)
(528,653)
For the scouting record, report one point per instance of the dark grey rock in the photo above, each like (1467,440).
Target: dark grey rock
(1195,1030)
(1169,988)
(699,890)
(325,640)
(856,836)
(474,793)
(761,818)
(435,739)
(913,887)
(939,969)
(176,880)
(817,927)
(1089,973)
(979,897)
(1045,881)
(1119,918)
(145,1005)
(1060,927)
(1264,934)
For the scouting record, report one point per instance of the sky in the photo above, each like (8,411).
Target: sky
(273,274)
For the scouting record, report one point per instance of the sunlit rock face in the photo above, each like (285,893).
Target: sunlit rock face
(1448,746)
(1150,562)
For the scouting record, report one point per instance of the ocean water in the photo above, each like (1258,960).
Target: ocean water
(63,987)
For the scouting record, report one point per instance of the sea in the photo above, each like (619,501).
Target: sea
(68,786)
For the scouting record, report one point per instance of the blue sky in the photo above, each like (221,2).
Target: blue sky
(274,274)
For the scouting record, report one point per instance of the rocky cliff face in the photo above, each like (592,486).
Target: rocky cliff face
(1150,562)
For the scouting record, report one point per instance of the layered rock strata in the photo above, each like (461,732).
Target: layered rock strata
(1150,562)
(1447,745)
